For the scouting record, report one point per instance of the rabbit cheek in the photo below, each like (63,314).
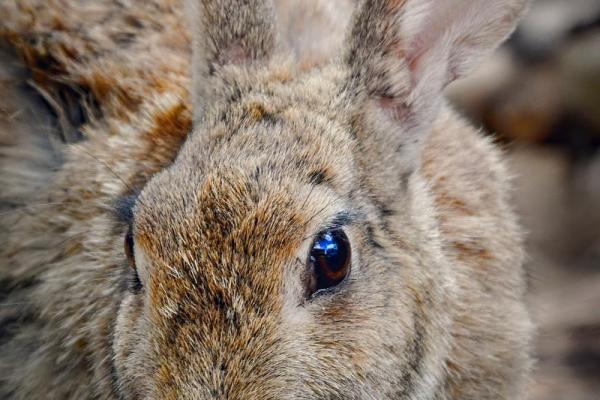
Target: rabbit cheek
(128,348)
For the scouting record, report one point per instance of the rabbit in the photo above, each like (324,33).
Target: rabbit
(329,230)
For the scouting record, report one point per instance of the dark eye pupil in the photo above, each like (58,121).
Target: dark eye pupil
(129,248)
(330,259)
(135,285)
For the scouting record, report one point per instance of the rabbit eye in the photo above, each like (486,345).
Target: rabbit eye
(329,260)
(128,243)
(135,285)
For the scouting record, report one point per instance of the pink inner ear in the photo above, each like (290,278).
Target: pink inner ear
(397,108)
(235,54)
(437,22)
(457,32)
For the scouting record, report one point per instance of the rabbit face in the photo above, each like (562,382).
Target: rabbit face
(326,234)
(227,305)
(229,243)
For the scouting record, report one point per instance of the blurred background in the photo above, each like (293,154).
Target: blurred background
(541,96)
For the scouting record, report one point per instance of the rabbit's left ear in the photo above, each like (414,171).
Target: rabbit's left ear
(227,32)
(401,54)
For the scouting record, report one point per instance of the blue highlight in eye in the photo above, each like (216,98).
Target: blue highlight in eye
(327,244)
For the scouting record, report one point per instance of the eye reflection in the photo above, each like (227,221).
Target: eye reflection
(329,260)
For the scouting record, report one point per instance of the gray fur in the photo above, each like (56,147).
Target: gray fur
(223,214)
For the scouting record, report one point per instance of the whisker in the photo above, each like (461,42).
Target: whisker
(80,148)
(312,188)
(17,304)
(59,111)
(24,208)
(108,167)
(316,214)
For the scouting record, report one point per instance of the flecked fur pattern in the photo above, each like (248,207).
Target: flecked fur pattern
(225,193)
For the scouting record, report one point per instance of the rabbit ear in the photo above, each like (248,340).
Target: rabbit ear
(402,53)
(227,32)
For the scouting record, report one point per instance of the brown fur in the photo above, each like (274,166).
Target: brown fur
(225,208)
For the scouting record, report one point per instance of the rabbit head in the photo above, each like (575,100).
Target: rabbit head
(292,250)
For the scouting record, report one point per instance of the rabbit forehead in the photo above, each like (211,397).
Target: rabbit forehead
(228,228)
(219,267)
(252,155)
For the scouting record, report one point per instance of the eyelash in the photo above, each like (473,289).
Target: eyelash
(135,284)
